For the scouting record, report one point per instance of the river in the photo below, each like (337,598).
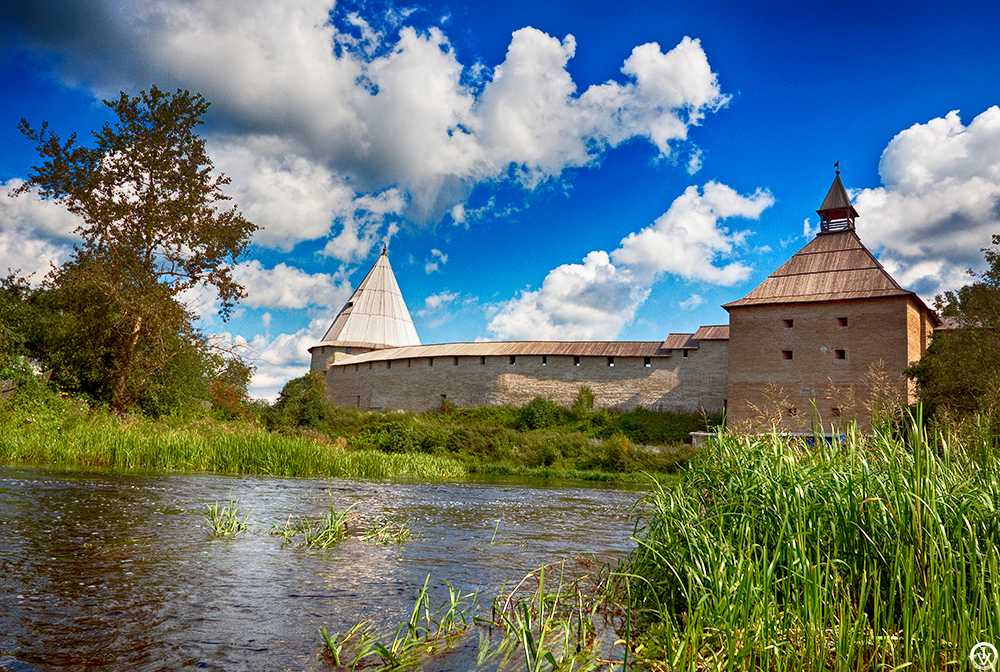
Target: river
(118,572)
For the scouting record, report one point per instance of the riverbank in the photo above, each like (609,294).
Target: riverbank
(540,441)
(877,553)
(880,552)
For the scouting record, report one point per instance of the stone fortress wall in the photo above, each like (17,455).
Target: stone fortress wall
(675,382)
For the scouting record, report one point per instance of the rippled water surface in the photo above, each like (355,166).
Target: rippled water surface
(112,572)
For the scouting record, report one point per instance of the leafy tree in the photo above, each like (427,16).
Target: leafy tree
(155,223)
(961,369)
(301,403)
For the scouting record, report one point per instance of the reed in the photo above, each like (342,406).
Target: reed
(225,521)
(386,531)
(425,634)
(93,439)
(878,553)
(323,533)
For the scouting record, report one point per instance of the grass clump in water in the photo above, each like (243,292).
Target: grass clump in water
(425,634)
(876,553)
(322,533)
(225,521)
(386,531)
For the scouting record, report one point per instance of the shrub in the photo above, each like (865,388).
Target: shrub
(540,413)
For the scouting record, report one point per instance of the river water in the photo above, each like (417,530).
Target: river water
(118,572)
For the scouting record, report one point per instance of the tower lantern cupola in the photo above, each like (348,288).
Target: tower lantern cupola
(836,213)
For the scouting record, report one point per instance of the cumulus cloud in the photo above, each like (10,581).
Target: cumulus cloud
(689,239)
(939,202)
(595,299)
(285,286)
(34,233)
(590,300)
(281,286)
(310,114)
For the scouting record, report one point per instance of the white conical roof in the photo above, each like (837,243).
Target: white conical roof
(376,314)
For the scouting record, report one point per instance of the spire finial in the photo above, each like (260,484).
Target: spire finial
(385,249)
(836,213)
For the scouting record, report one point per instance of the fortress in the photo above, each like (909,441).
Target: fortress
(823,334)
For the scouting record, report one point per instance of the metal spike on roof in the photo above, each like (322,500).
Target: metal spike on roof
(836,213)
(376,314)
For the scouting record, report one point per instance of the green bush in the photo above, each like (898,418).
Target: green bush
(540,413)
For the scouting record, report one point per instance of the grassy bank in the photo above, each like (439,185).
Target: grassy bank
(540,440)
(864,556)
(81,438)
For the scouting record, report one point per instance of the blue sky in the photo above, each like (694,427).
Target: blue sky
(344,126)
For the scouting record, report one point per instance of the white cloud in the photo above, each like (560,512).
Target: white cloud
(34,233)
(691,302)
(436,260)
(689,240)
(809,230)
(939,202)
(436,302)
(276,359)
(598,297)
(694,161)
(285,286)
(281,286)
(307,116)
(591,300)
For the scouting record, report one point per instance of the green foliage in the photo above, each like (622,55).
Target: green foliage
(425,634)
(301,403)
(876,553)
(540,413)
(960,370)
(70,434)
(153,224)
(225,521)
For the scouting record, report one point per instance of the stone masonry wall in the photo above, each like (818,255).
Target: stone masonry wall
(690,383)
(877,330)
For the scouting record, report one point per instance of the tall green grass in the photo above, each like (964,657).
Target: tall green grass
(879,553)
(76,437)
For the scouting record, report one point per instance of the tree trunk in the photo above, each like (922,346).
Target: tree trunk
(118,401)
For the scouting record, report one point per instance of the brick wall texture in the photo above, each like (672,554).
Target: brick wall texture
(692,383)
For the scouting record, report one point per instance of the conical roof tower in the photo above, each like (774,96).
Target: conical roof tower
(376,315)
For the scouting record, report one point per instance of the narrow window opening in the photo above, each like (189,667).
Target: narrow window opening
(840,354)
(356,366)
(348,350)
(388,363)
(685,353)
(545,360)
(576,361)
(369,366)
(430,361)
(789,324)
(513,360)
(841,321)
(482,360)
(456,361)
(786,354)
(409,363)
(611,362)
(647,362)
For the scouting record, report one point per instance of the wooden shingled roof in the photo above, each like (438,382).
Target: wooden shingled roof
(525,348)
(832,267)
